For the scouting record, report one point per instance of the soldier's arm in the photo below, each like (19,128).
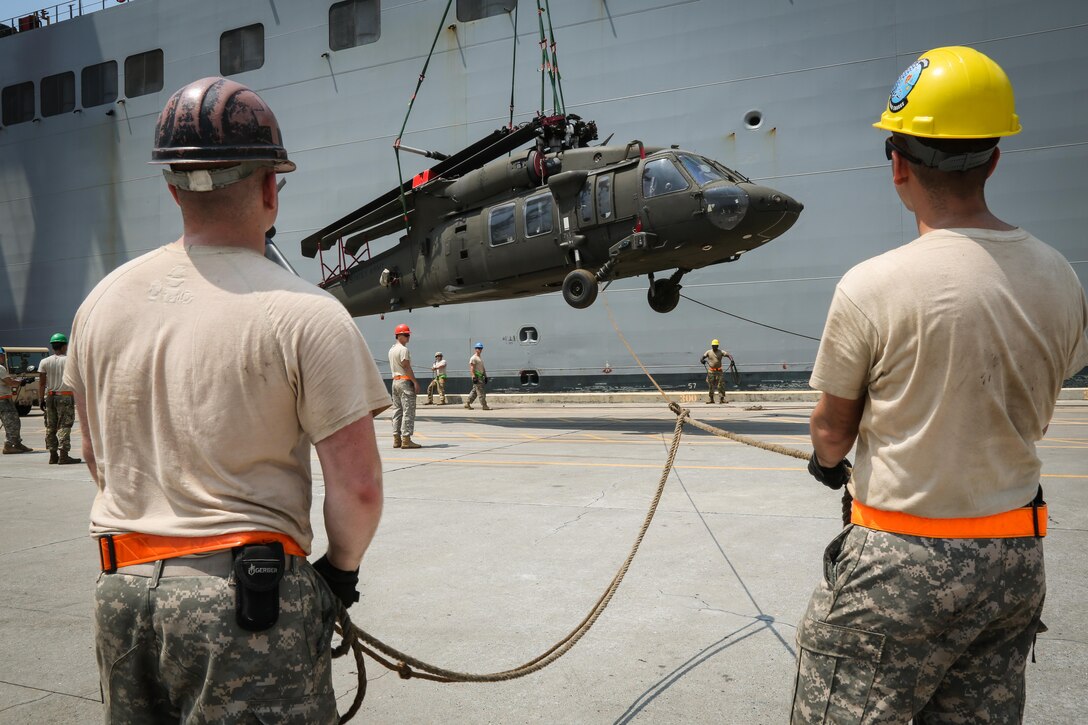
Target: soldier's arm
(407,365)
(88,446)
(834,428)
(41,384)
(353,491)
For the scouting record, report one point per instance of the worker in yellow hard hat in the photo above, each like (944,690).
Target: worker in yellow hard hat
(931,596)
(712,361)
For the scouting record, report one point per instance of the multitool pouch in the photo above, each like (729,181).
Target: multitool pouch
(258,569)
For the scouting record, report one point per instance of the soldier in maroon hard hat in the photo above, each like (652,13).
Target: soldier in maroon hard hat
(203,372)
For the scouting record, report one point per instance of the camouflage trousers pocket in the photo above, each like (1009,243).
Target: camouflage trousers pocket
(836,668)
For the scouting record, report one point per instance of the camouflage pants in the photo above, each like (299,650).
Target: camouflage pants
(477,392)
(904,627)
(9,416)
(60,416)
(404,408)
(715,383)
(170,650)
(439,385)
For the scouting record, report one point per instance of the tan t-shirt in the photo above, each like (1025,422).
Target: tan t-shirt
(714,359)
(398,355)
(961,340)
(53,367)
(206,374)
(479,370)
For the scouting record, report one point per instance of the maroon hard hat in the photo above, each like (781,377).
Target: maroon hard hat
(217,122)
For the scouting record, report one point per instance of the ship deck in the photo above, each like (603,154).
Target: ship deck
(499,535)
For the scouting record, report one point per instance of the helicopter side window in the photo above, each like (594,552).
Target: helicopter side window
(661,176)
(500,225)
(700,169)
(604,197)
(585,203)
(538,215)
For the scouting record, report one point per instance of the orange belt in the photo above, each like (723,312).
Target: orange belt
(5,397)
(117,550)
(715,370)
(1029,520)
(59,392)
(401,377)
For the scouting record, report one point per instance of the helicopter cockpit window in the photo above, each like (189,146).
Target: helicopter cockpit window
(500,225)
(661,176)
(604,197)
(538,215)
(700,169)
(585,203)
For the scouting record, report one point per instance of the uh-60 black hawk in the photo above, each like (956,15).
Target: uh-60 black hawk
(561,215)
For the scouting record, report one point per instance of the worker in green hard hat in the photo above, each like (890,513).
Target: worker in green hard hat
(57,402)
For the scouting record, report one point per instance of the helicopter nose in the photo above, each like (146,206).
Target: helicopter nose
(770,212)
(766,199)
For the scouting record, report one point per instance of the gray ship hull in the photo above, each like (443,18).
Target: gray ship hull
(77,197)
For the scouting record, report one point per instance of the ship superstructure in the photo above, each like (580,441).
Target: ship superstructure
(785,91)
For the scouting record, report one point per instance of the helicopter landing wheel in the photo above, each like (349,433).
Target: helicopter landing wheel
(580,288)
(663,296)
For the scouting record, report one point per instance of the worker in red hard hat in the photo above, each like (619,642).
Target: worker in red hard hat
(405,389)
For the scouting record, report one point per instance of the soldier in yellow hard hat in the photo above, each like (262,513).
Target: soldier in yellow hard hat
(712,360)
(943,360)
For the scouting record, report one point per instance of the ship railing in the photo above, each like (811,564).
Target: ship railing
(340,262)
(55,13)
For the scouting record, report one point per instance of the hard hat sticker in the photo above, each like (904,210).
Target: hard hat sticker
(905,84)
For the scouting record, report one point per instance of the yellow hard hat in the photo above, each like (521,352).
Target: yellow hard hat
(952,92)
(714,343)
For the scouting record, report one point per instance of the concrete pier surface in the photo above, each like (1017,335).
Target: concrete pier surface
(503,530)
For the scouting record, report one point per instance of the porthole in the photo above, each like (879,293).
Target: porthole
(753,119)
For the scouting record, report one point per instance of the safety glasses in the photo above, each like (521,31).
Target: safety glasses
(889,146)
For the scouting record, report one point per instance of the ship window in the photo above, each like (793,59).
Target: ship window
(58,93)
(661,176)
(18,103)
(99,84)
(604,197)
(585,203)
(476,9)
(538,215)
(501,224)
(354,22)
(528,336)
(700,169)
(143,73)
(241,49)
(530,377)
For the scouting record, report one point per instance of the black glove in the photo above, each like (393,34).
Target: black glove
(42,405)
(342,583)
(834,477)
(486,380)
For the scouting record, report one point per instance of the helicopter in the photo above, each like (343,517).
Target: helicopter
(564,215)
